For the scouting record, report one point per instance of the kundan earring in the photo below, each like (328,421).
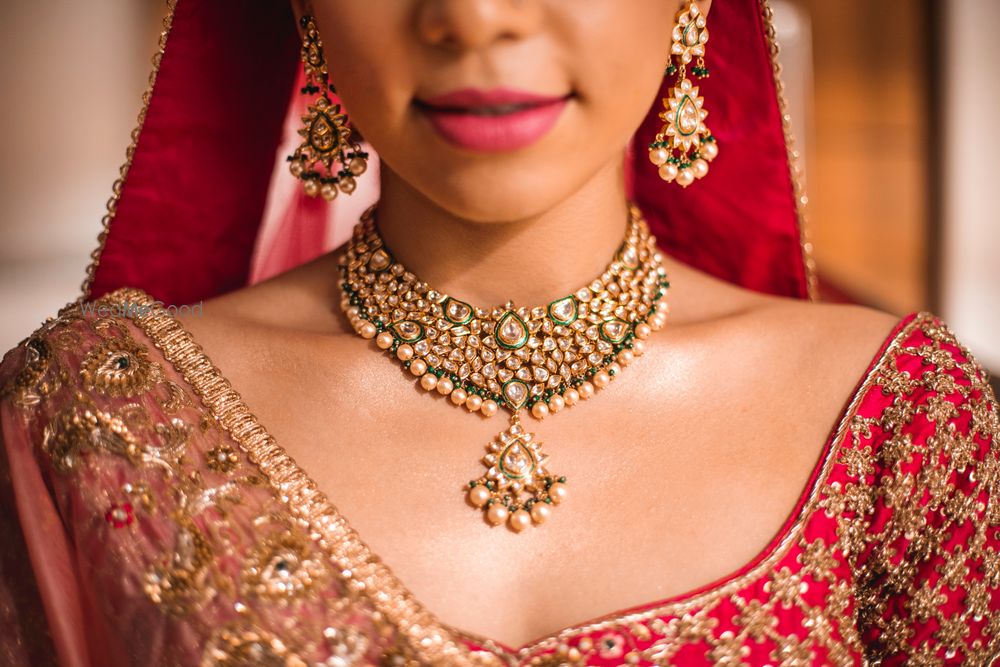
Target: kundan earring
(326,137)
(684,146)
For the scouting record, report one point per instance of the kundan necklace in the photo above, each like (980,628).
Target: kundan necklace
(540,359)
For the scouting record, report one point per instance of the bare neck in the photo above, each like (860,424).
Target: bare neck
(529,261)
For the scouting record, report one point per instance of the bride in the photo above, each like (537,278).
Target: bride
(560,397)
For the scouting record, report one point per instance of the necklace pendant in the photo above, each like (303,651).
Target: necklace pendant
(517,488)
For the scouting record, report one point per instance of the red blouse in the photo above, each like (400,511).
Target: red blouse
(147,518)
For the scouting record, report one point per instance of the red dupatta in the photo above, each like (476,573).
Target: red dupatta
(189,211)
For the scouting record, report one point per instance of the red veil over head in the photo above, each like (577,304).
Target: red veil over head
(205,204)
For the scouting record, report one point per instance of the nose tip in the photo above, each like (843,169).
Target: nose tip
(474,24)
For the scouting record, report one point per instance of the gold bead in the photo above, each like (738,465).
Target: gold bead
(296,167)
(473,402)
(519,520)
(601,379)
(357,166)
(328,192)
(458,396)
(404,352)
(418,367)
(558,492)
(445,385)
(489,407)
(478,495)
(638,347)
(668,172)
(625,357)
(384,340)
(539,410)
(571,396)
(642,330)
(497,514)
(540,512)
(348,184)
(311,187)
(586,390)
(556,403)
(368,330)
(428,381)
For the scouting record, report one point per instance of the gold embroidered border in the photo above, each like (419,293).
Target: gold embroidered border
(809,262)
(116,188)
(362,569)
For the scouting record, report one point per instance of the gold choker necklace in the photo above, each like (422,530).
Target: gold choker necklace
(541,359)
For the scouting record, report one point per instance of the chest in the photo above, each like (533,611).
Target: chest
(668,490)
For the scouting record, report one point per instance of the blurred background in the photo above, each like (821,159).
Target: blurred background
(894,106)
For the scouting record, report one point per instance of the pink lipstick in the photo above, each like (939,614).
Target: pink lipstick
(492,120)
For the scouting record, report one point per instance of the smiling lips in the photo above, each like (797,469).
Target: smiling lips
(495,120)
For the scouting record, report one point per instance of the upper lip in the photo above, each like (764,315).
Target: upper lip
(475,98)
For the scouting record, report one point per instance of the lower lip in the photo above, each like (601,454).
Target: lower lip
(495,133)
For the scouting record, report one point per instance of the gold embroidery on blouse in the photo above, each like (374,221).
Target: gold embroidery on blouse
(176,399)
(38,376)
(76,430)
(191,565)
(119,367)
(283,567)
(928,508)
(222,458)
(361,570)
(236,646)
(180,582)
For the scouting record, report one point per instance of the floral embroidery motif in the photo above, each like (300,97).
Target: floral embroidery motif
(612,645)
(119,367)
(34,381)
(283,567)
(120,516)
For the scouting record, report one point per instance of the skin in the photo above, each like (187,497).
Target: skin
(680,472)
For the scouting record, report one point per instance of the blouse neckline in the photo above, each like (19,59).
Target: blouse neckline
(364,571)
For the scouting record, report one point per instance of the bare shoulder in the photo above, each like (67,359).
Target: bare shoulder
(251,328)
(300,298)
(769,341)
